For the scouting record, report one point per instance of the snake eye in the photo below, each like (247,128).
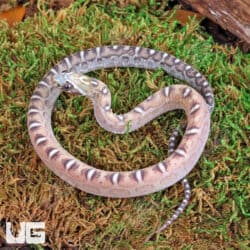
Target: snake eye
(67,86)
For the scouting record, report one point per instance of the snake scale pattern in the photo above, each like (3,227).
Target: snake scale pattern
(196,99)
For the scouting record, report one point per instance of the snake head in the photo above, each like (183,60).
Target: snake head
(76,83)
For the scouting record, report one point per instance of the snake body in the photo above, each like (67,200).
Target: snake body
(68,75)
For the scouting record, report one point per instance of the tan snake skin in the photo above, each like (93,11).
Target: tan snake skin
(68,75)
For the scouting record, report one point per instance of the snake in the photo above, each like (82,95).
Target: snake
(195,97)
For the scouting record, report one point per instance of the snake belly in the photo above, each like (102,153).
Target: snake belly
(196,99)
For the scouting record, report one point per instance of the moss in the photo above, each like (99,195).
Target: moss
(219,209)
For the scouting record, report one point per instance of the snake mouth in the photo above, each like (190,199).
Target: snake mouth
(73,93)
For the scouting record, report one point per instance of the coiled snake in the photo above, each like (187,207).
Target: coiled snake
(68,75)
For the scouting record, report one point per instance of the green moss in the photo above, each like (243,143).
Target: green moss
(219,207)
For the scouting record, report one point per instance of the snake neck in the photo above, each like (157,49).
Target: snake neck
(102,109)
(106,118)
(166,99)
